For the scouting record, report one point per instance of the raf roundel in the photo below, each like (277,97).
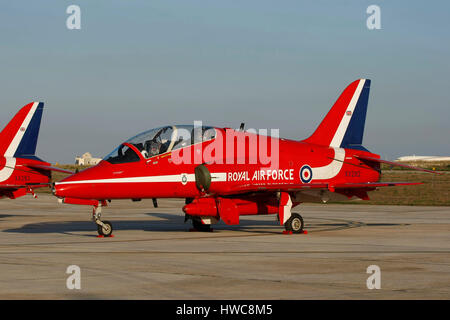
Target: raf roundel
(184,179)
(306,174)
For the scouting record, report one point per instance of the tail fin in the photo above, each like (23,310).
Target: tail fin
(343,126)
(19,138)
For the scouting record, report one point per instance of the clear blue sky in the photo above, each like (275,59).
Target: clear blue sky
(135,65)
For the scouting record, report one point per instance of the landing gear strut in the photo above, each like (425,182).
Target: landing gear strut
(104,228)
(294,224)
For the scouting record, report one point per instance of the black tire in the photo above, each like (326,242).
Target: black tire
(199,226)
(295,223)
(105,230)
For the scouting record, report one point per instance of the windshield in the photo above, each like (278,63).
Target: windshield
(122,154)
(164,139)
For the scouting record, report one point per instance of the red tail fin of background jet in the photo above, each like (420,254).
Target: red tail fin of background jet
(20,170)
(19,138)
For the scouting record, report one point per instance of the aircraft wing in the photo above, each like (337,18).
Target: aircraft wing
(307,186)
(47,168)
(20,186)
(10,187)
(396,164)
(273,187)
(12,191)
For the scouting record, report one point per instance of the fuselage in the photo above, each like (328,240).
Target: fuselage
(163,176)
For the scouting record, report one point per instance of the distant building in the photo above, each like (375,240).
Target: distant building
(423,158)
(86,160)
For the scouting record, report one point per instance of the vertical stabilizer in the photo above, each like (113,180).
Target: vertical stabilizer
(343,126)
(19,138)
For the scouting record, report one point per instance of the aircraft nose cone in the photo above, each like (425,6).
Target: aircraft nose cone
(73,189)
(62,190)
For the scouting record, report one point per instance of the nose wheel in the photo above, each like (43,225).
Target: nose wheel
(294,224)
(104,228)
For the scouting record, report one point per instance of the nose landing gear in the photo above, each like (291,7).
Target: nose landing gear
(104,228)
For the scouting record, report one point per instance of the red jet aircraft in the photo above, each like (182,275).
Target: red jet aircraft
(221,179)
(20,170)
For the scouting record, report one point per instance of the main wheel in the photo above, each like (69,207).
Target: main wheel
(105,230)
(294,223)
(199,226)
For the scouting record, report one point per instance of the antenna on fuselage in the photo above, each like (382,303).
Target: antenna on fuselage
(241,128)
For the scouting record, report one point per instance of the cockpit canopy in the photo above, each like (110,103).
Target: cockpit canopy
(160,140)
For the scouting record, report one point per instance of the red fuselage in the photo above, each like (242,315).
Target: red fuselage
(160,177)
(18,176)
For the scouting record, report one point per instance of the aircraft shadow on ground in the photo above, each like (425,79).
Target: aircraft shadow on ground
(169,222)
(174,223)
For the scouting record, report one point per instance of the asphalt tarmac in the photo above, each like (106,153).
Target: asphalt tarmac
(153,255)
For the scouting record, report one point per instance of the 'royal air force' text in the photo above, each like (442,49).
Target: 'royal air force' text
(262,175)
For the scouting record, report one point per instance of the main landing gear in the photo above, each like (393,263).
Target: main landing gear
(199,226)
(104,228)
(294,224)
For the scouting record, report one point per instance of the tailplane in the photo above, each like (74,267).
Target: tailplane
(19,138)
(343,126)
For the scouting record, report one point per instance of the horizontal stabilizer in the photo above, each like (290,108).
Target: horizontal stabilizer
(26,185)
(395,164)
(373,185)
(47,168)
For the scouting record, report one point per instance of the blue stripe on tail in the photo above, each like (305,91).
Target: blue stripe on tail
(27,146)
(353,137)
